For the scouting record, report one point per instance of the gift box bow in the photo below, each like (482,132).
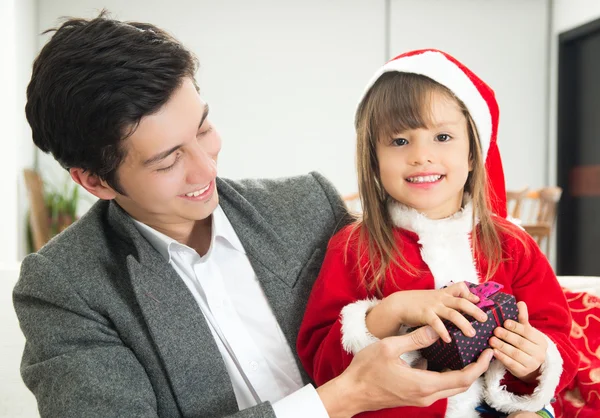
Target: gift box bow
(484,291)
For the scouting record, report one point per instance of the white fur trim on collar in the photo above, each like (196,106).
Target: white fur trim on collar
(445,243)
(355,334)
(500,399)
(436,66)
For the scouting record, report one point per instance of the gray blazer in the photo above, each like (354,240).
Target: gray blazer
(111,329)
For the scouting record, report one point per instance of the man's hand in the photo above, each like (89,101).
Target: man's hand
(520,347)
(377,378)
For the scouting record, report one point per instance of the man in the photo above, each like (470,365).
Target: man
(179,293)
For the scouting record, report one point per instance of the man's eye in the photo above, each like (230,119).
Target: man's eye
(205,132)
(399,142)
(169,168)
(443,137)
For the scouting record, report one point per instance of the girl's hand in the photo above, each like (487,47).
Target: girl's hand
(426,307)
(520,347)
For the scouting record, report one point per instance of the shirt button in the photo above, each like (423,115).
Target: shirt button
(254,365)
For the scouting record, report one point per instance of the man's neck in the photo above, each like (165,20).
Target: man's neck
(201,235)
(194,234)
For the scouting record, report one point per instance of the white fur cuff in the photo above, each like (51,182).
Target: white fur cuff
(500,399)
(463,405)
(355,334)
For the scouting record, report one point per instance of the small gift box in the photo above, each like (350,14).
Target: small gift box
(463,350)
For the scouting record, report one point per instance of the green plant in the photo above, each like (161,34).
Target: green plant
(62,206)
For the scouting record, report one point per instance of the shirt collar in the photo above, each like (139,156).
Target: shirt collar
(221,227)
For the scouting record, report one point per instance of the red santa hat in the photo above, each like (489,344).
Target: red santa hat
(477,96)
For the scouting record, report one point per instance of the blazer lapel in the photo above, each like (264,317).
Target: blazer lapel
(262,244)
(183,339)
(273,261)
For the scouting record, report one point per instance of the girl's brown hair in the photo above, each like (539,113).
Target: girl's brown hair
(395,103)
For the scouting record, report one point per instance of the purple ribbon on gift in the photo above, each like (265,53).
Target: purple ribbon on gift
(484,291)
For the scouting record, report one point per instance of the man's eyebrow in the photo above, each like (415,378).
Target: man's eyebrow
(161,156)
(204,115)
(165,154)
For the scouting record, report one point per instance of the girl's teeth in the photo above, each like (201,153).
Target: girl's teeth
(197,192)
(424,179)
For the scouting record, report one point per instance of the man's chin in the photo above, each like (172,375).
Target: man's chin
(205,209)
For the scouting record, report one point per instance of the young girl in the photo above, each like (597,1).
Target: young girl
(426,134)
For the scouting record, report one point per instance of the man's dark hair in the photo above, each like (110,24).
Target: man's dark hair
(93,82)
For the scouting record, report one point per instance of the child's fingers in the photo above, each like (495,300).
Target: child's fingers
(523,313)
(516,368)
(457,319)
(462,290)
(517,341)
(515,359)
(463,305)
(516,327)
(526,331)
(471,297)
(436,323)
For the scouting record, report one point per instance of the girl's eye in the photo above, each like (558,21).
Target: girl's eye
(399,142)
(443,137)
(169,168)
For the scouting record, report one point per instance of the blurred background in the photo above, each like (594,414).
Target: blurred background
(283,79)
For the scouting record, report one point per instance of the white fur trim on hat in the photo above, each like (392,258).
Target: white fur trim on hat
(463,405)
(355,334)
(445,243)
(436,66)
(500,399)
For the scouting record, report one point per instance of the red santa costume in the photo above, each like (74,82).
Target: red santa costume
(334,327)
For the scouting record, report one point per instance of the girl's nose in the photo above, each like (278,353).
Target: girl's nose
(420,154)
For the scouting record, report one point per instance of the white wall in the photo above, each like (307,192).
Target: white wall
(27,48)
(9,128)
(17,29)
(19,46)
(505,43)
(569,14)
(282,78)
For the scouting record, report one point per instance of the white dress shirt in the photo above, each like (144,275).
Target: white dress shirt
(257,356)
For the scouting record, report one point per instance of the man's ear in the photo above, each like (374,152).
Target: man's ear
(93,184)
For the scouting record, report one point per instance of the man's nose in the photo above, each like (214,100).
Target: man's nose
(202,169)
